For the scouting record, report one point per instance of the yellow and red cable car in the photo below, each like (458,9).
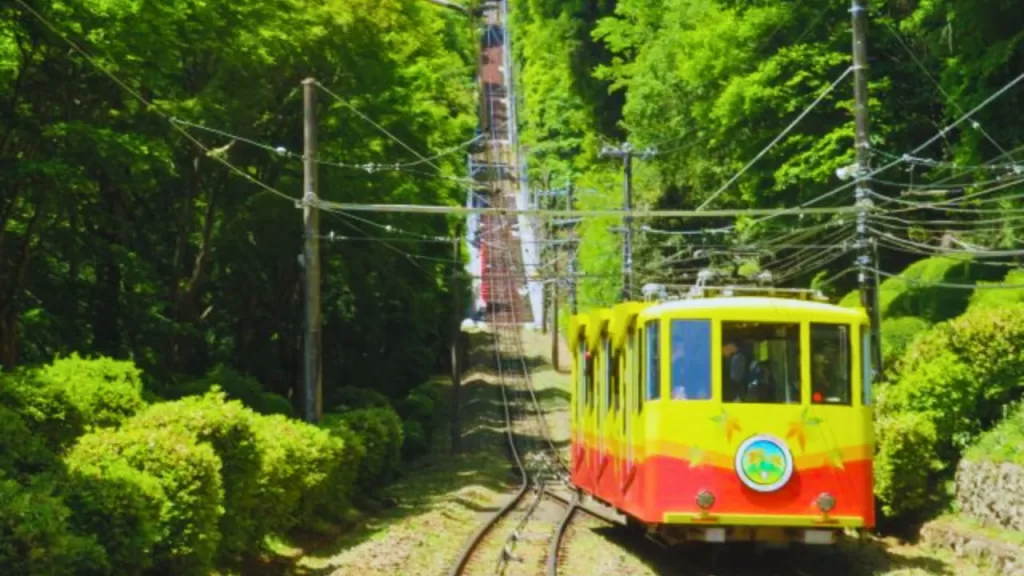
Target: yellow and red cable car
(726,418)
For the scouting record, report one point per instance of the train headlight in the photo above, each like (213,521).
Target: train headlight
(826,502)
(705,500)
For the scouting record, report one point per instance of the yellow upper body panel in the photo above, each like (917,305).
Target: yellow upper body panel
(596,327)
(753,308)
(623,316)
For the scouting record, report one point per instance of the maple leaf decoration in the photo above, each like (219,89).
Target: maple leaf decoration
(696,457)
(799,428)
(835,458)
(729,424)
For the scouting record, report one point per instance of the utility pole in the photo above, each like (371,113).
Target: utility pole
(456,424)
(626,152)
(865,262)
(572,256)
(313,397)
(554,316)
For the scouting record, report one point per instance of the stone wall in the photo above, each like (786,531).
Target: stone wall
(992,493)
(1003,557)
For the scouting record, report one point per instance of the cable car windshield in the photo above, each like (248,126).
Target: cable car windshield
(761,362)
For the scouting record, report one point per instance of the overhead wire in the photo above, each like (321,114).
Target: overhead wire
(778,138)
(150,105)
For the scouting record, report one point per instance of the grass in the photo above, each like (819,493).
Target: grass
(417,525)
(426,517)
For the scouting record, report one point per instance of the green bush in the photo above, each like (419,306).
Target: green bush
(416,440)
(299,474)
(915,291)
(34,536)
(996,298)
(957,377)
(229,428)
(1004,443)
(359,398)
(237,386)
(275,404)
(105,391)
(22,453)
(897,334)
(119,505)
(381,432)
(47,409)
(904,463)
(189,475)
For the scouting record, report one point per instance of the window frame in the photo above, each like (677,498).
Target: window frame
(801,348)
(837,326)
(706,325)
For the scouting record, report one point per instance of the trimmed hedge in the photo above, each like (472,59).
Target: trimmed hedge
(989,298)
(229,428)
(906,442)
(898,334)
(106,391)
(118,504)
(237,386)
(351,398)
(46,409)
(300,465)
(189,475)
(915,293)
(23,454)
(34,535)
(382,435)
(956,377)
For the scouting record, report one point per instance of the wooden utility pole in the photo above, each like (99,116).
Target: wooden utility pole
(313,388)
(456,423)
(626,152)
(867,277)
(554,317)
(572,256)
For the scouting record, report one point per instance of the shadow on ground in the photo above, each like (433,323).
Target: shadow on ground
(849,558)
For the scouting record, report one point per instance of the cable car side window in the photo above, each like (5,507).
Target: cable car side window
(831,364)
(691,359)
(761,362)
(653,360)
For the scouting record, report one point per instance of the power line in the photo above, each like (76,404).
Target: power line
(778,138)
(462,210)
(150,105)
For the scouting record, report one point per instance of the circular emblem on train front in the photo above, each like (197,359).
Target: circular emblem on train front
(764,463)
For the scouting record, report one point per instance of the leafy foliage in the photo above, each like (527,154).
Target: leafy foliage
(118,504)
(47,409)
(34,536)
(154,250)
(381,430)
(951,385)
(299,472)
(105,391)
(189,475)
(229,429)
(1003,442)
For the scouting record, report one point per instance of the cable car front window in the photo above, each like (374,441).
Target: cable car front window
(761,362)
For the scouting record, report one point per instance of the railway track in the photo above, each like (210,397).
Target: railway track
(525,534)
